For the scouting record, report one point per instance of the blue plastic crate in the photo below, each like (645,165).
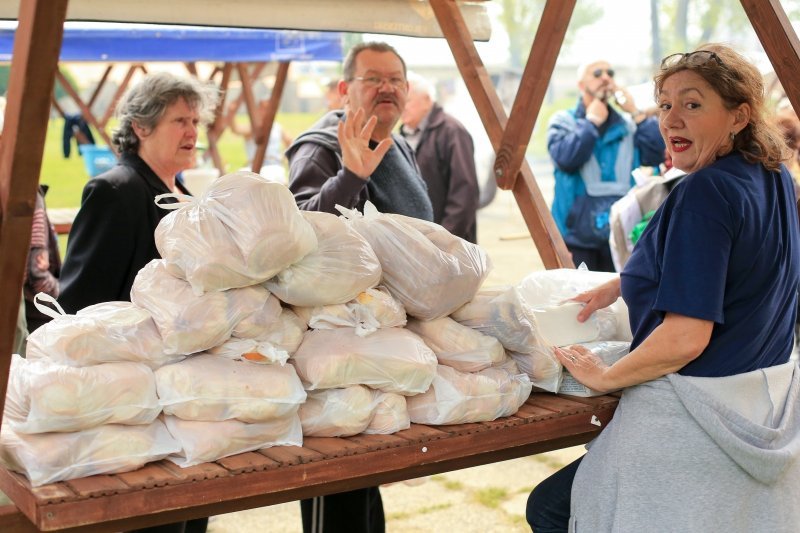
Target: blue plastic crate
(97,159)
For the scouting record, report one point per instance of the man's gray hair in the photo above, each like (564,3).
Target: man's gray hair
(146,103)
(422,85)
(349,67)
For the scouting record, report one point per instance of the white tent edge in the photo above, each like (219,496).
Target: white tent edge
(413,18)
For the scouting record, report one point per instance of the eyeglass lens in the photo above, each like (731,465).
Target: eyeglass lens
(599,72)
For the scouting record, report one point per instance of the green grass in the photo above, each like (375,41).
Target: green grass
(421,511)
(491,497)
(67,176)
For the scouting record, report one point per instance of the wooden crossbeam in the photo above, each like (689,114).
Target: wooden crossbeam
(532,89)
(37,43)
(782,47)
(262,127)
(100,85)
(85,111)
(532,205)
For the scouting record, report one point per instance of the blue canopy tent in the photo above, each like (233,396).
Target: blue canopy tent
(114,42)
(229,47)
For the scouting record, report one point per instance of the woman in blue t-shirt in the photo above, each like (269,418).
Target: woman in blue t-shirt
(707,431)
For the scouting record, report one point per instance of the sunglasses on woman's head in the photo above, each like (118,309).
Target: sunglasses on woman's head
(696,58)
(599,72)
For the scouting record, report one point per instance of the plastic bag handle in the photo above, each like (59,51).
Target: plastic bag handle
(183,199)
(52,313)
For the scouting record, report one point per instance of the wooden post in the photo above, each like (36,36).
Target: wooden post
(532,89)
(534,209)
(782,47)
(265,122)
(37,44)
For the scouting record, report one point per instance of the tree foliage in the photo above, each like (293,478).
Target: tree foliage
(520,18)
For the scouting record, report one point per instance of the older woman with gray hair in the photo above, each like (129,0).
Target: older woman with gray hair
(112,236)
(706,436)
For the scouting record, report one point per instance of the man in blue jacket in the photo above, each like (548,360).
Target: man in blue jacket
(594,148)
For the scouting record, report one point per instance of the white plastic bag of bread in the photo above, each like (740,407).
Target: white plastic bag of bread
(198,247)
(102,333)
(212,388)
(390,360)
(539,363)
(261,321)
(342,266)
(201,443)
(273,324)
(609,351)
(251,350)
(372,309)
(461,397)
(263,220)
(431,271)
(110,448)
(337,412)
(390,414)
(460,347)
(501,313)
(189,323)
(45,396)
(552,287)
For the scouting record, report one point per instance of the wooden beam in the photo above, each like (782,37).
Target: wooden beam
(191,66)
(37,43)
(265,122)
(532,89)
(247,91)
(216,127)
(117,95)
(85,111)
(532,205)
(100,85)
(780,42)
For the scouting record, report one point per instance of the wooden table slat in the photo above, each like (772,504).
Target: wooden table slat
(560,404)
(99,485)
(333,446)
(291,455)
(150,475)
(378,442)
(247,462)
(529,410)
(422,433)
(196,472)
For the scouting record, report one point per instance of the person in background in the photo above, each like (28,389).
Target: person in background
(348,157)
(789,124)
(594,147)
(112,236)
(706,436)
(333,100)
(446,158)
(44,262)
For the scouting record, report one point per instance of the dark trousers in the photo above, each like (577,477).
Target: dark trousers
(357,511)
(549,503)
(596,259)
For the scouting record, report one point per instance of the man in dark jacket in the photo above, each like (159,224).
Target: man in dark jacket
(347,158)
(446,157)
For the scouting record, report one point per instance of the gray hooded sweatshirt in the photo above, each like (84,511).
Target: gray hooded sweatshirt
(677,458)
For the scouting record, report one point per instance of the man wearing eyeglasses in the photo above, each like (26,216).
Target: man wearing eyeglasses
(595,146)
(348,157)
